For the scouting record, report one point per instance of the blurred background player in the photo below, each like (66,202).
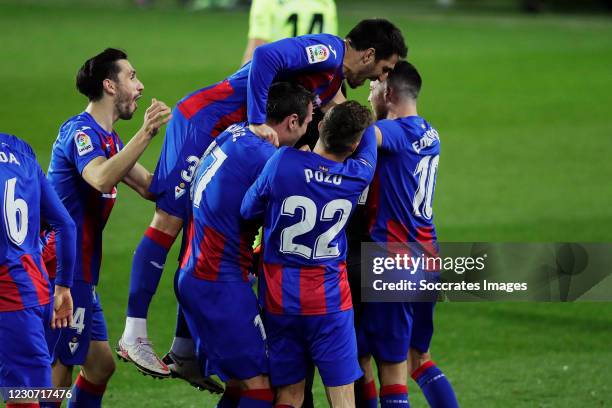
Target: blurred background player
(213,286)
(400,210)
(26,311)
(305,199)
(318,62)
(88,160)
(273,20)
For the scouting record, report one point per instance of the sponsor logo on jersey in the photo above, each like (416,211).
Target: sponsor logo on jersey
(317,53)
(83,143)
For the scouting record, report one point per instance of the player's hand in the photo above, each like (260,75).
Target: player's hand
(157,115)
(265,132)
(62,308)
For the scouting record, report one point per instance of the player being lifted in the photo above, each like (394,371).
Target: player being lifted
(320,63)
(306,199)
(273,20)
(25,291)
(213,286)
(400,210)
(88,160)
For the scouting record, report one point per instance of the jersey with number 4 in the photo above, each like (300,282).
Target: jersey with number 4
(401,195)
(219,240)
(306,201)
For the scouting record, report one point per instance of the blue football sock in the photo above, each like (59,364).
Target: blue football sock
(262,398)
(394,396)
(435,386)
(147,267)
(86,394)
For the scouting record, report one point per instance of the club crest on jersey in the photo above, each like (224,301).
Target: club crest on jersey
(317,53)
(73,345)
(179,191)
(83,143)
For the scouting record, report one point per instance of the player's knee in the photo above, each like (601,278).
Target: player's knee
(417,358)
(392,373)
(257,383)
(292,395)
(100,369)
(166,223)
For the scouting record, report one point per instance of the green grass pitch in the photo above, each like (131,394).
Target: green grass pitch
(523,106)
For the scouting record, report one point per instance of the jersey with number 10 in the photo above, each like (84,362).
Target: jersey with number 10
(306,201)
(401,196)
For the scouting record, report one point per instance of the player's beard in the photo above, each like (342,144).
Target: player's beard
(124,105)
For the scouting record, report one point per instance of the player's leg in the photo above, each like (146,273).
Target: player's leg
(432,381)
(182,359)
(170,185)
(386,328)
(99,365)
(257,393)
(290,396)
(366,395)
(24,356)
(333,347)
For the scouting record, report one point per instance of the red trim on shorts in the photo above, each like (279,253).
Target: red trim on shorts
(189,249)
(346,301)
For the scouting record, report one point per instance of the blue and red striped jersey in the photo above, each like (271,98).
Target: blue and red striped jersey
(315,61)
(80,140)
(219,239)
(400,198)
(25,197)
(306,201)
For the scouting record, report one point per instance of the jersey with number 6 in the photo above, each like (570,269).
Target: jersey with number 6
(25,198)
(306,201)
(219,241)
(400,198)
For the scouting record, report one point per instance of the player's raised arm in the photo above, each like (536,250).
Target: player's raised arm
(52,210)
(103,174)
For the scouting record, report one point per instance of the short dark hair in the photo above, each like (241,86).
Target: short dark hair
(343,125)
(287,98)
(379,34)
(96,69)
(405,80)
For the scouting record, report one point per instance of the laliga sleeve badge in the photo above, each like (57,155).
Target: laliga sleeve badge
(317,53)
(83,143)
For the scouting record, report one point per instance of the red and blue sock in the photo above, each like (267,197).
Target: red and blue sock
(260,398)
(86,394)
(369,396)
(435,386)
(230,397)
(147,267)
(394,396)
